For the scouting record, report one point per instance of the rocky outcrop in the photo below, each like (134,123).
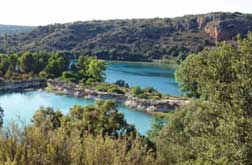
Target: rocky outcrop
(21,85)
(147,105)
(154,105)
(224,26)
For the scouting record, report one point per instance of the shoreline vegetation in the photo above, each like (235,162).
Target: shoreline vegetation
(84,78)
(154,104)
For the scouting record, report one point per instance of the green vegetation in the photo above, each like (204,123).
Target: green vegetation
(146,93)
(111,88)
(51,65)
(87,70)
(132,40)
(29,65)
(87,135)
(216,128)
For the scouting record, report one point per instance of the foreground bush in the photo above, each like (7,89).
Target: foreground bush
(217,127)
(88,135)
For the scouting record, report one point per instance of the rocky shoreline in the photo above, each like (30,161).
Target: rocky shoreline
(22,85)
(61,87)
(147,105)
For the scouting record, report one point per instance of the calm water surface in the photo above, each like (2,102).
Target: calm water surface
(158,76)
(23,105)
(161,77)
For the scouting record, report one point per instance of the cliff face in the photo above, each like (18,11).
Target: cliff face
(223,26)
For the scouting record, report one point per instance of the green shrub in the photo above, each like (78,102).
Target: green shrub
(106,87)
(146,93)
(115,90)
(136,91)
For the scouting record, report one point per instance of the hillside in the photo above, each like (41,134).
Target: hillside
(13,29)
(136,39)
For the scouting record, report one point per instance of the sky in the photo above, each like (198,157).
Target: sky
(43,12)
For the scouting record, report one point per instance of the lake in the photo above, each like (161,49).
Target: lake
(158,76)
(24,105)
(143,74)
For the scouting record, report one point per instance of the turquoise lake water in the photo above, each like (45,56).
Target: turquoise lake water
(158,76)
(23,105)
(161,77)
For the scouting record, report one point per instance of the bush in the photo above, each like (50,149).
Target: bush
(106,87)
(115,90)
(87,135)
(146,93)
(135,91)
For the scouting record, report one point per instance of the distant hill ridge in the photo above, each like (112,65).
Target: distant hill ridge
(133,39)
(14,29)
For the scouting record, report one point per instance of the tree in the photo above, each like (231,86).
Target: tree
(88,135)
(101,119)
(95,70)
(27,62)
(56,65)
(157,124)
(215,129)
(47,119)
(4,64)
(87,70)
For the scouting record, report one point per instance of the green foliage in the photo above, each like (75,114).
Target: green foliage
(70,76)
(47,119)
(101,119)
(95,70)
(19,66)
(87,70)
(56,65)
(131,40)
(88,135)
(156,126)
(107,87)
(215,129)
(33,62)
(51,65)
(27,62)
(146,93)
(136,91)
(116,90)
(8,62)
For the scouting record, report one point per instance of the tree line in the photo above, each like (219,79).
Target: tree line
(51,65)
